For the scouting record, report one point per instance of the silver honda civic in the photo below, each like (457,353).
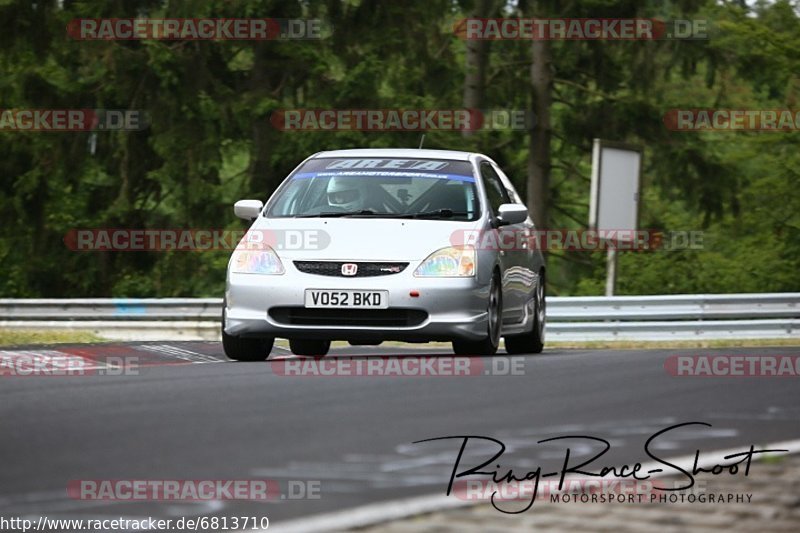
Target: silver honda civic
(372,245)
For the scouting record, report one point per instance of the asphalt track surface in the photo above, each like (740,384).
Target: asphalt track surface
(185,413)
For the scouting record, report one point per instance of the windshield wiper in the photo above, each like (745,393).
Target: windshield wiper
(367,213)
(333,214)
(441,213)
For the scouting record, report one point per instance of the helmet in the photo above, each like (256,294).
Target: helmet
(344,192)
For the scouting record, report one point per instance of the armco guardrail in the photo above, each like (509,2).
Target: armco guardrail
(665,317)
(68,310)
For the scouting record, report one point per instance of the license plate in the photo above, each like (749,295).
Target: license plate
(347,298)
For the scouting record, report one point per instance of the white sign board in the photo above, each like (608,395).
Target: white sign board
(614,204)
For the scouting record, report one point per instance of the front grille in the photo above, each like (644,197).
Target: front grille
(334,268)
(301,316)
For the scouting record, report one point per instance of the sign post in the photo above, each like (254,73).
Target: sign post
(614,203)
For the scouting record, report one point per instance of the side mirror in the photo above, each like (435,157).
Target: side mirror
(248,209)
(512,214)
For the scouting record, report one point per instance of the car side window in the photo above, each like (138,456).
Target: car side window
(513,195)
(495,191)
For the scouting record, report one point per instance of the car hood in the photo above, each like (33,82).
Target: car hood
(359,239)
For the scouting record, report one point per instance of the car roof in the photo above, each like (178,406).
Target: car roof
(398,152)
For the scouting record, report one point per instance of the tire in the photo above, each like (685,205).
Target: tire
(245,349)
(488,345)
(309,347)
(533,341)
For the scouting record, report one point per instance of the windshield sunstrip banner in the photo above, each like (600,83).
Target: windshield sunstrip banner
(387,167)
(382,174)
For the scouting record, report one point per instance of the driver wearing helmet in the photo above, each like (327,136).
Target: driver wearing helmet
(344,192)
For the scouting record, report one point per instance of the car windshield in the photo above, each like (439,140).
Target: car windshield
(379,188)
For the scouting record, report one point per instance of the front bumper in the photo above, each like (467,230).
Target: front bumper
(268,306)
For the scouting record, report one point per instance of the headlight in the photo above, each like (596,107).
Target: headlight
(452,262)
(256,262)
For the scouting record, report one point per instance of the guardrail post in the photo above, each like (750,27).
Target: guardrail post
(611,271)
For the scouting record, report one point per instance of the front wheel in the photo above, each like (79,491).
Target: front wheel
(245,349)
(533,341)
(488,345)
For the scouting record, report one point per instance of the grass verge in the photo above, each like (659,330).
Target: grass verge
(14,337)
(606,345)
(634,345)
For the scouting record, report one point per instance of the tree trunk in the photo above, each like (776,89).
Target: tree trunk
(538,190)
(262,182)
(477,57)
